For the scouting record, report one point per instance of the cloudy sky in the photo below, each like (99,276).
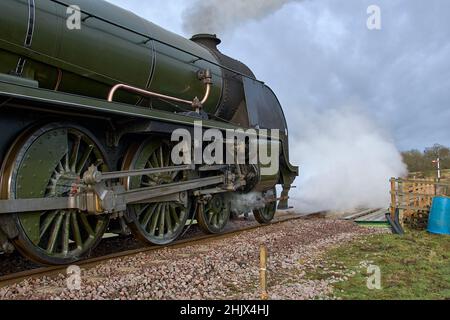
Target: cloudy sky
(319,55)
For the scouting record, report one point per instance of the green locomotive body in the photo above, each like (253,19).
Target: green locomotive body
(87,114)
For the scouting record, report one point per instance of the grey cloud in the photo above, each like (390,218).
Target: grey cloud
(347,89)
(318,54)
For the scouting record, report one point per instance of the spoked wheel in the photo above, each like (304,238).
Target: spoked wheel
(45,163)
(162,222)
(214,215)
(265,215)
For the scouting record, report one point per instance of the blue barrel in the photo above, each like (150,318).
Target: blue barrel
(439,222)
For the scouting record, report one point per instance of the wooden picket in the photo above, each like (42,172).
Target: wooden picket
(412,199)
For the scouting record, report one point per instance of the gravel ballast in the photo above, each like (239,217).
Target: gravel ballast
(217,269)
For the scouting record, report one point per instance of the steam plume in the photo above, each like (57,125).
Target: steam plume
(346,162)
(217,16)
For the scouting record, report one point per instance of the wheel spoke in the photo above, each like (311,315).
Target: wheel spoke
(155,219)
(174,214)
(174,175)
(162,218)
(66,162)
(168,219)
(60,167)
(66,233)
(54,234)
(85,158)
(76,231)
(213,216)
(87,226)
(143,210)
(75,151)
(47,222)
(154,161)
(167,163)
(216,219)
(148,216)
(161,157)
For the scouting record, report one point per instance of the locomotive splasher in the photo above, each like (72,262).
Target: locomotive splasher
(87,117)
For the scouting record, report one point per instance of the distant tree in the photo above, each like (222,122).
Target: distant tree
(438,151)
(415,161)
(418,161)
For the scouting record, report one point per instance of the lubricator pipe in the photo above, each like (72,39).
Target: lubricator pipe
(205,76)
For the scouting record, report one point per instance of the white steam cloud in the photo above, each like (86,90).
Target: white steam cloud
(218,16)
(346,162)
(345,159)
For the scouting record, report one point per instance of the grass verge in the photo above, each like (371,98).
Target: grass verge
(414,266)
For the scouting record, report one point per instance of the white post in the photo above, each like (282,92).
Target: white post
(439,169)
(438,163)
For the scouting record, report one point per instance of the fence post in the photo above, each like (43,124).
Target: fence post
(393,199)
(263,273)
(401,201)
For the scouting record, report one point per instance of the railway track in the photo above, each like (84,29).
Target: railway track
(89,263)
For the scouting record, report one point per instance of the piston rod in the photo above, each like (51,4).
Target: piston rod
(82,202)
(93,176)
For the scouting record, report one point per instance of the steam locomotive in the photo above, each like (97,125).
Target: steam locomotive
(87,115)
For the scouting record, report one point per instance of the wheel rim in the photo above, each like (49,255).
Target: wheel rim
(215,215)
(156,223)
(266,214)
(46,163)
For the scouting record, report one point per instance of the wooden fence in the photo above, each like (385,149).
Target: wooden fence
(411,199)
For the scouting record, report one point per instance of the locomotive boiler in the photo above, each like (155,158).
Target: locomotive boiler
(90,95)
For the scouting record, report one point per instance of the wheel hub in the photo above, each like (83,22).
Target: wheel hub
(63,184)
(43,163)
(216,204)
(214,214)
(155,223)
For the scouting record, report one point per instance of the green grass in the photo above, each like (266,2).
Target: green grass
(414,266)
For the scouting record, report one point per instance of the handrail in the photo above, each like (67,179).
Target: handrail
(149,38)
(205,76)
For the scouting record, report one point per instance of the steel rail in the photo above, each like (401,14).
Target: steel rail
(91,263)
